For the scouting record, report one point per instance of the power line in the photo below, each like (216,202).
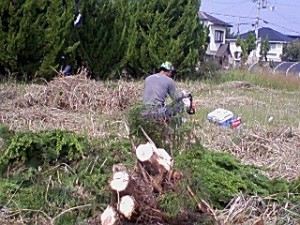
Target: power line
(274,24)
(248,17)
(235,16)
(286,19)
(288,5)
(229,6)
(229,3)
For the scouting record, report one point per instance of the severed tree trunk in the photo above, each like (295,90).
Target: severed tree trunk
(157,158)
(127,206)
(109,216)
(121,178)
(135,190)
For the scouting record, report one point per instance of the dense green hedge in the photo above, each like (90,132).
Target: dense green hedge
(112,35)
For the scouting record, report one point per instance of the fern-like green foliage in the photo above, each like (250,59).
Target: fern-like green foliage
(218,177)
(171,134)
(155,129)
(36,149)
(66,181)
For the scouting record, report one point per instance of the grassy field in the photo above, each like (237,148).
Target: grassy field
(269,137)
(270,132)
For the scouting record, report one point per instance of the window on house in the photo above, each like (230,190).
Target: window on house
(273,46)
(219,35)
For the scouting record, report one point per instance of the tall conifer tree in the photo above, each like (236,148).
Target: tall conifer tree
(168,30)
(139,35)
(104,35)
(34,34)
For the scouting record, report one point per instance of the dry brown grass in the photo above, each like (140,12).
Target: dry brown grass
(85,106)
(96,108)
(72,103)
(275,150)
(80,94)
(254,210)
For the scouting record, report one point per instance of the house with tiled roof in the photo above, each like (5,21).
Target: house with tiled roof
(276,39)
(217,35)
(294,37)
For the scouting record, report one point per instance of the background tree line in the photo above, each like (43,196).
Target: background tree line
(37,38)
(291,52)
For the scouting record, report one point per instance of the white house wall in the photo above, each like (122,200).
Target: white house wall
(274,54)
(235,50)
(213,45)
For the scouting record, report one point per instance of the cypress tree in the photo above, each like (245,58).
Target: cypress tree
(104,35)
(140,35)
(58,42)
(134,34)
(168,30)
(33,34)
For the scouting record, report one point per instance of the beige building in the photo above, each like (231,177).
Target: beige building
(217,34)
(276,39)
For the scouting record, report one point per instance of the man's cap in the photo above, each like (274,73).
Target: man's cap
(167,66)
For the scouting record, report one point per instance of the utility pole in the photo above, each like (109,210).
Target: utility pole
(239,24)
(256,26)
(259,5)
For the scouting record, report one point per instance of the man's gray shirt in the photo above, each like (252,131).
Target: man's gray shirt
(156,89)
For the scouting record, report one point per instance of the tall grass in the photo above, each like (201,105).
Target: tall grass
(268,80)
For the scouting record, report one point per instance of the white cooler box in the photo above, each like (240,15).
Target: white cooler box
(220,116)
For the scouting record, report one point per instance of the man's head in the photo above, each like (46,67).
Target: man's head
(168,69)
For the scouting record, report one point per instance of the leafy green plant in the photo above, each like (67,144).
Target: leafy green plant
(64,188)
(246,45)
(41,148)
(264,49)
(165,134)
(208,170)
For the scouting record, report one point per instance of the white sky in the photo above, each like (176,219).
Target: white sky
(284,18)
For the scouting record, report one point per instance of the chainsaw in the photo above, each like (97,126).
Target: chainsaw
(189,104)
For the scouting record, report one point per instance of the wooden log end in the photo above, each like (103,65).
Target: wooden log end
(120,181)
(109,216)
(164,159)
(127,206)
(144,152)
(156,156)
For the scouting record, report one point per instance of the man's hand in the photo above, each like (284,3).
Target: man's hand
(184,94)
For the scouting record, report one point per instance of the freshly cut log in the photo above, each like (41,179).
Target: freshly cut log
(127,206)
(109,216)
(157,157)
(121,178)
(164,158)
(144,152)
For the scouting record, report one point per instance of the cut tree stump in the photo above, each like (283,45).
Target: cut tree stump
(157,158)
(121,178)
(127,206)
(109,216)
(136,191)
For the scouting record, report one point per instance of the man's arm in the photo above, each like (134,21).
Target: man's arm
(174,94)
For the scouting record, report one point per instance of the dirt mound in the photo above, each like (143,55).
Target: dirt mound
(236,84)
